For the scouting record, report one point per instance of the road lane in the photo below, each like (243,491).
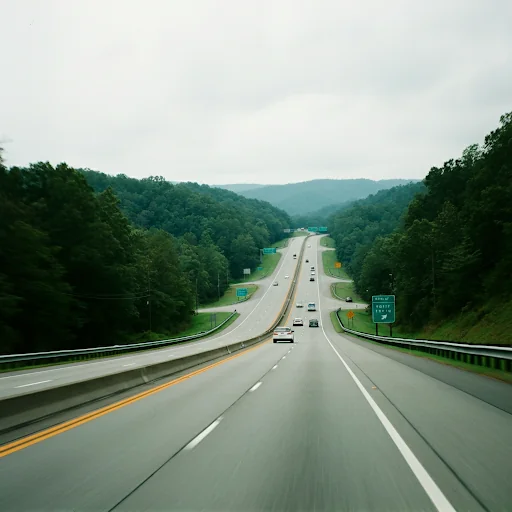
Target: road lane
(304,438)
(258,315)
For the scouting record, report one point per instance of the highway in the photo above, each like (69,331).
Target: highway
(256,316)
(327,423)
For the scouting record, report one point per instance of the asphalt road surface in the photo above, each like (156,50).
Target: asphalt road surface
(256,316)
(325,423)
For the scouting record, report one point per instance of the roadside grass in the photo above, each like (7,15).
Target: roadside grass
(327,241)
(363,325)
(200,323)
(328,261)
(269,264)
(344,290)
(299,233)
(229,298)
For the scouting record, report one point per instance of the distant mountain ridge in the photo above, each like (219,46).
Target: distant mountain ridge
(310,196)
(240,187)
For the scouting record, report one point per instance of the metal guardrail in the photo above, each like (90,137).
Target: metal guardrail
(490,356)
(59,355)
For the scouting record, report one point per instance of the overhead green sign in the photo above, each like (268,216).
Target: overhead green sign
(241,292)
(322,229)
(269,250)
(314,230)
(383,309)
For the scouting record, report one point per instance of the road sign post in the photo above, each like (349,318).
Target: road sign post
(383,311)
(269,250)
(337,264)
(322,229)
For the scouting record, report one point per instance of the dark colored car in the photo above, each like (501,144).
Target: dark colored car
(307,261)
(348,299)
(311,278)
(313,322)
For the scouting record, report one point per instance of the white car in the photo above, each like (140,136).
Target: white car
(311,306)
(299,305)
(298,321)
(309,245)
(312,272)
(287,277)
(283,334)
(275,283)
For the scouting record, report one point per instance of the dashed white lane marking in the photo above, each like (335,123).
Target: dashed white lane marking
(130,364)
(256,386)
(274,367)
(203,434)
(33,383)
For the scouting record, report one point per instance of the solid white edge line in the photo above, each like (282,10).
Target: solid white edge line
(435,494)
(33,384)
(256,386)
(203,434)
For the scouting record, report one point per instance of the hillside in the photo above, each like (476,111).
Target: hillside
(309,196)
(453,253)
(240,187)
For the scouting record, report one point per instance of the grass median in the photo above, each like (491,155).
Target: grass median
(327,241)
(229,298)
(343,290)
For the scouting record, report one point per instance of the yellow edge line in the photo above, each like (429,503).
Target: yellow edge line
(27,441)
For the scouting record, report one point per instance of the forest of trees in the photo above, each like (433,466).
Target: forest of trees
(453,250)
(82,265)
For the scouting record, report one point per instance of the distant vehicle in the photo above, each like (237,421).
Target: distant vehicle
(307,261)
(283,334)
(313,322)
(312,278)
(348,299)
(299,305)
(294,256)
(275,283)
(311,306)
(312,268)
(312,272)
(286,276)
(309,245)
(298,321)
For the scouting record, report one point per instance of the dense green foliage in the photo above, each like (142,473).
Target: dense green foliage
(310,196)
(75,272)
(454,251)
(319,217)
(356,227)
(229,225)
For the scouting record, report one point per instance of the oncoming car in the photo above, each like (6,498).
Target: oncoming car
(298,321)
(283,334)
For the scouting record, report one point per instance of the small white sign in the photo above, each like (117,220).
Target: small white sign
(247,271)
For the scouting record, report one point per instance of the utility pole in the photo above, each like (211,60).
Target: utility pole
(149,299)
(218,284)
(197,282)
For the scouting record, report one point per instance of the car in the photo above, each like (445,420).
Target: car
(309,245)
(283,334)
(275,283)
(312,272)
(311,306)
(312,268)
(348,299)
(312,278)
(294,256)
(286,276)
(298,321)
(307,261)
(313,322)
(299,305)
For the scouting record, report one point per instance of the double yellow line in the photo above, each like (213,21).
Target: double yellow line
(25,442)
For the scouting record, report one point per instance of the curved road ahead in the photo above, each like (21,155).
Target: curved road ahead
(328,423)
(256,316)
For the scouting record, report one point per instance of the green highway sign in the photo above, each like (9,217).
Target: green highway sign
(314,229)
(269,250)
(322,229)
(383,309)
(241,292)
(260,268)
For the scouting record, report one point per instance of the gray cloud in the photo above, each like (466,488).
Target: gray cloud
(272,91)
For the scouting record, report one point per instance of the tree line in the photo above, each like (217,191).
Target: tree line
(453,249)
(82,265)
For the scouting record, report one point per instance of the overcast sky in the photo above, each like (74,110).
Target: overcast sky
(241,91)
